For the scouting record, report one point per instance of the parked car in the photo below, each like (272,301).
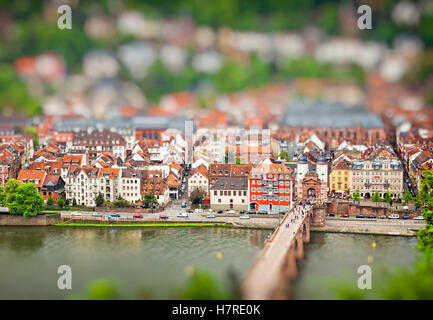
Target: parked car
(210,210)
(97,215)
(183,204)
(137,215)
(189,211)
(331,214)
(76,214)
(115,215)
(242,212)
(251,212)
(219,211)
(394,216)
(382,217)
(263,212)
(418,218)
(182,215)
(345,215)
(360,216)
(163,217)
(231,212)
(282,212)
(371,216)
(210,216)
(406,217)
(244,217)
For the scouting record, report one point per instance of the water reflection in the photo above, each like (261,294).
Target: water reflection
(333,257)
(145,261)
(19,241)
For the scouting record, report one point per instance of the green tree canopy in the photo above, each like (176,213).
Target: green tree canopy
(50,201)
(26,200)
(407,197)
(376,197)
(99,200)
(387,197)
(61,202)
(356,196)
(149,200)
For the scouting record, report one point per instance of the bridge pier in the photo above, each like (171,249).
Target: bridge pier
(306,231)
(299,246)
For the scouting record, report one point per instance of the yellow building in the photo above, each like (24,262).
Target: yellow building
(339,177)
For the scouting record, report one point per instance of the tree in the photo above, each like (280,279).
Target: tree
(2,198)
(50,201)
(356,196)
(197,196)
(407,197)
(61,202)
(376,197)
(26,200)
(417,203)
(238,161)
(121,203)
(99,200)
(34,132)
(74,202)
(285,156)
(149,200)
(387,198)
(10,190)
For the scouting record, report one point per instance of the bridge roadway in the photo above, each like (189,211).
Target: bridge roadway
(264,275)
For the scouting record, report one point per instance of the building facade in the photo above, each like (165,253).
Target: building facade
(271,188)
(229,193)
(377,175)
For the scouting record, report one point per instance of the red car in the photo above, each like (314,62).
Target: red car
(163,217)
(137,215)
(345,215)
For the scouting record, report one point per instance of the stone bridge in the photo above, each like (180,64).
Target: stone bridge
(275,268)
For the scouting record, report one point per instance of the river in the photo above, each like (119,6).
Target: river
(152,262)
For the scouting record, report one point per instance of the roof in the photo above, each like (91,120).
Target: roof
(34,176)
(230,183)
(51,180)
(331,115)
(202,170)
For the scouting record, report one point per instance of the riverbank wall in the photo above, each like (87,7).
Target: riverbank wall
(39,220)
(361,227)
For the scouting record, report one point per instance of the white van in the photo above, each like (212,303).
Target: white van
(394,216)
(182,215)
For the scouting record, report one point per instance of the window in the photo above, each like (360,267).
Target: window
(253,189)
